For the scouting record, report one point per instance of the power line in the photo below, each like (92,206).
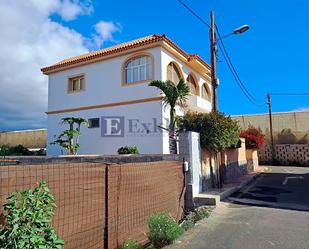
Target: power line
(225,55)
(231,67)
(193,13)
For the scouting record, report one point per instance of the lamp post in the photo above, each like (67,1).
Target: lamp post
(213,51)
(218,157)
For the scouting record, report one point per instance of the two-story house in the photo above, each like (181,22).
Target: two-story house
(110,89)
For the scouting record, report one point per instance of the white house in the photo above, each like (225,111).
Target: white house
(110,88)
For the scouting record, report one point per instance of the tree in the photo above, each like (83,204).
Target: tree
(217,131)
(174,95)
(69,139)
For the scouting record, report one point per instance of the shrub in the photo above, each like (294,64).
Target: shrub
(202,213)
(255,139)
(18,150)
(28,216)
(196,215)
(217,131)
(189,221)
(130,244)
(128,150)
(163,230)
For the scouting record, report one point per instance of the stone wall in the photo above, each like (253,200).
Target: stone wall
(95,158)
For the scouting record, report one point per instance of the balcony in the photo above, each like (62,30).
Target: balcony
(198,104)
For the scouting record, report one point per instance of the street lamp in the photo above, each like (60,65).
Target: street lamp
(241,29)
(238,31)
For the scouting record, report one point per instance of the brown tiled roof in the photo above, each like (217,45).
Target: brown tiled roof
(93,56)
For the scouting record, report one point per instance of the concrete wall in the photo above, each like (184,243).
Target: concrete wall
(288,127)
(234,161)
(286,154)
(27,138)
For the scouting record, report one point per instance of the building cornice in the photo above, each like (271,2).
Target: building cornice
(129,47)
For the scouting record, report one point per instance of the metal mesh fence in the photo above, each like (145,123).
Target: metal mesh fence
(94,196)
(79,193)
(136,191)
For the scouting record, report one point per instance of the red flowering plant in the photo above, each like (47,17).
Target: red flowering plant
(255,139)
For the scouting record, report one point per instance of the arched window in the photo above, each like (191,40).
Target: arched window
(192,85)
(205,92)
(173,73)
(138,69)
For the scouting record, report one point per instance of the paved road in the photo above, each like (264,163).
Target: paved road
(264,215)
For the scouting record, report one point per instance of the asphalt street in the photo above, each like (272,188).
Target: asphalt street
(271,212)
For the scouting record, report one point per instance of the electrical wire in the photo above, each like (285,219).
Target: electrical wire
(232,69)
(226,57)
(193,13)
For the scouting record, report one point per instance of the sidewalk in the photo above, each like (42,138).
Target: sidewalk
(214,196)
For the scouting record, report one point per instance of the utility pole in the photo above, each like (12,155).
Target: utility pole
(218,157)
(213,54)
(271,128)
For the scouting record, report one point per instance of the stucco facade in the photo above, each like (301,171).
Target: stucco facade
(137,107)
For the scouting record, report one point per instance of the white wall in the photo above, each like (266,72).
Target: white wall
(167,57)
(93,143)
(103,84)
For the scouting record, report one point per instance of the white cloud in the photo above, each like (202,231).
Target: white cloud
(29,41)
(69,10)
(301,109)
(105,32)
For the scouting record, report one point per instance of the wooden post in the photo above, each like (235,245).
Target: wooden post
(213,63)
(271,128)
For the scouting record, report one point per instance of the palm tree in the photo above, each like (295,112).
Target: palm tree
(174,95)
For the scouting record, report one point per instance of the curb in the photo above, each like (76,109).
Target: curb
(210,199)
(233,190)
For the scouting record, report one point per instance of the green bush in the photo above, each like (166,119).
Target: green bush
(130,244)
(195,216)
(202,213)
(27,220)
(163,230)
(189,221)
(128,150)
(17,150)
(217,131)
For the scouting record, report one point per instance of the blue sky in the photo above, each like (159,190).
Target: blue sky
(271,56)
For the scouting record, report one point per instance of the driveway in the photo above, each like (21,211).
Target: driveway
(272,212)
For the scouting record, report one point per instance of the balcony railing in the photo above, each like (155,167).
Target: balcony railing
(198,104)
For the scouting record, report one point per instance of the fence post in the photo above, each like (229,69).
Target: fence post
(106,209)
(189,149)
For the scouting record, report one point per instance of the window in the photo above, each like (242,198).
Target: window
(205,92)
(94,123)
(76,84)
(138,69)
(192,85)
(173,73)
